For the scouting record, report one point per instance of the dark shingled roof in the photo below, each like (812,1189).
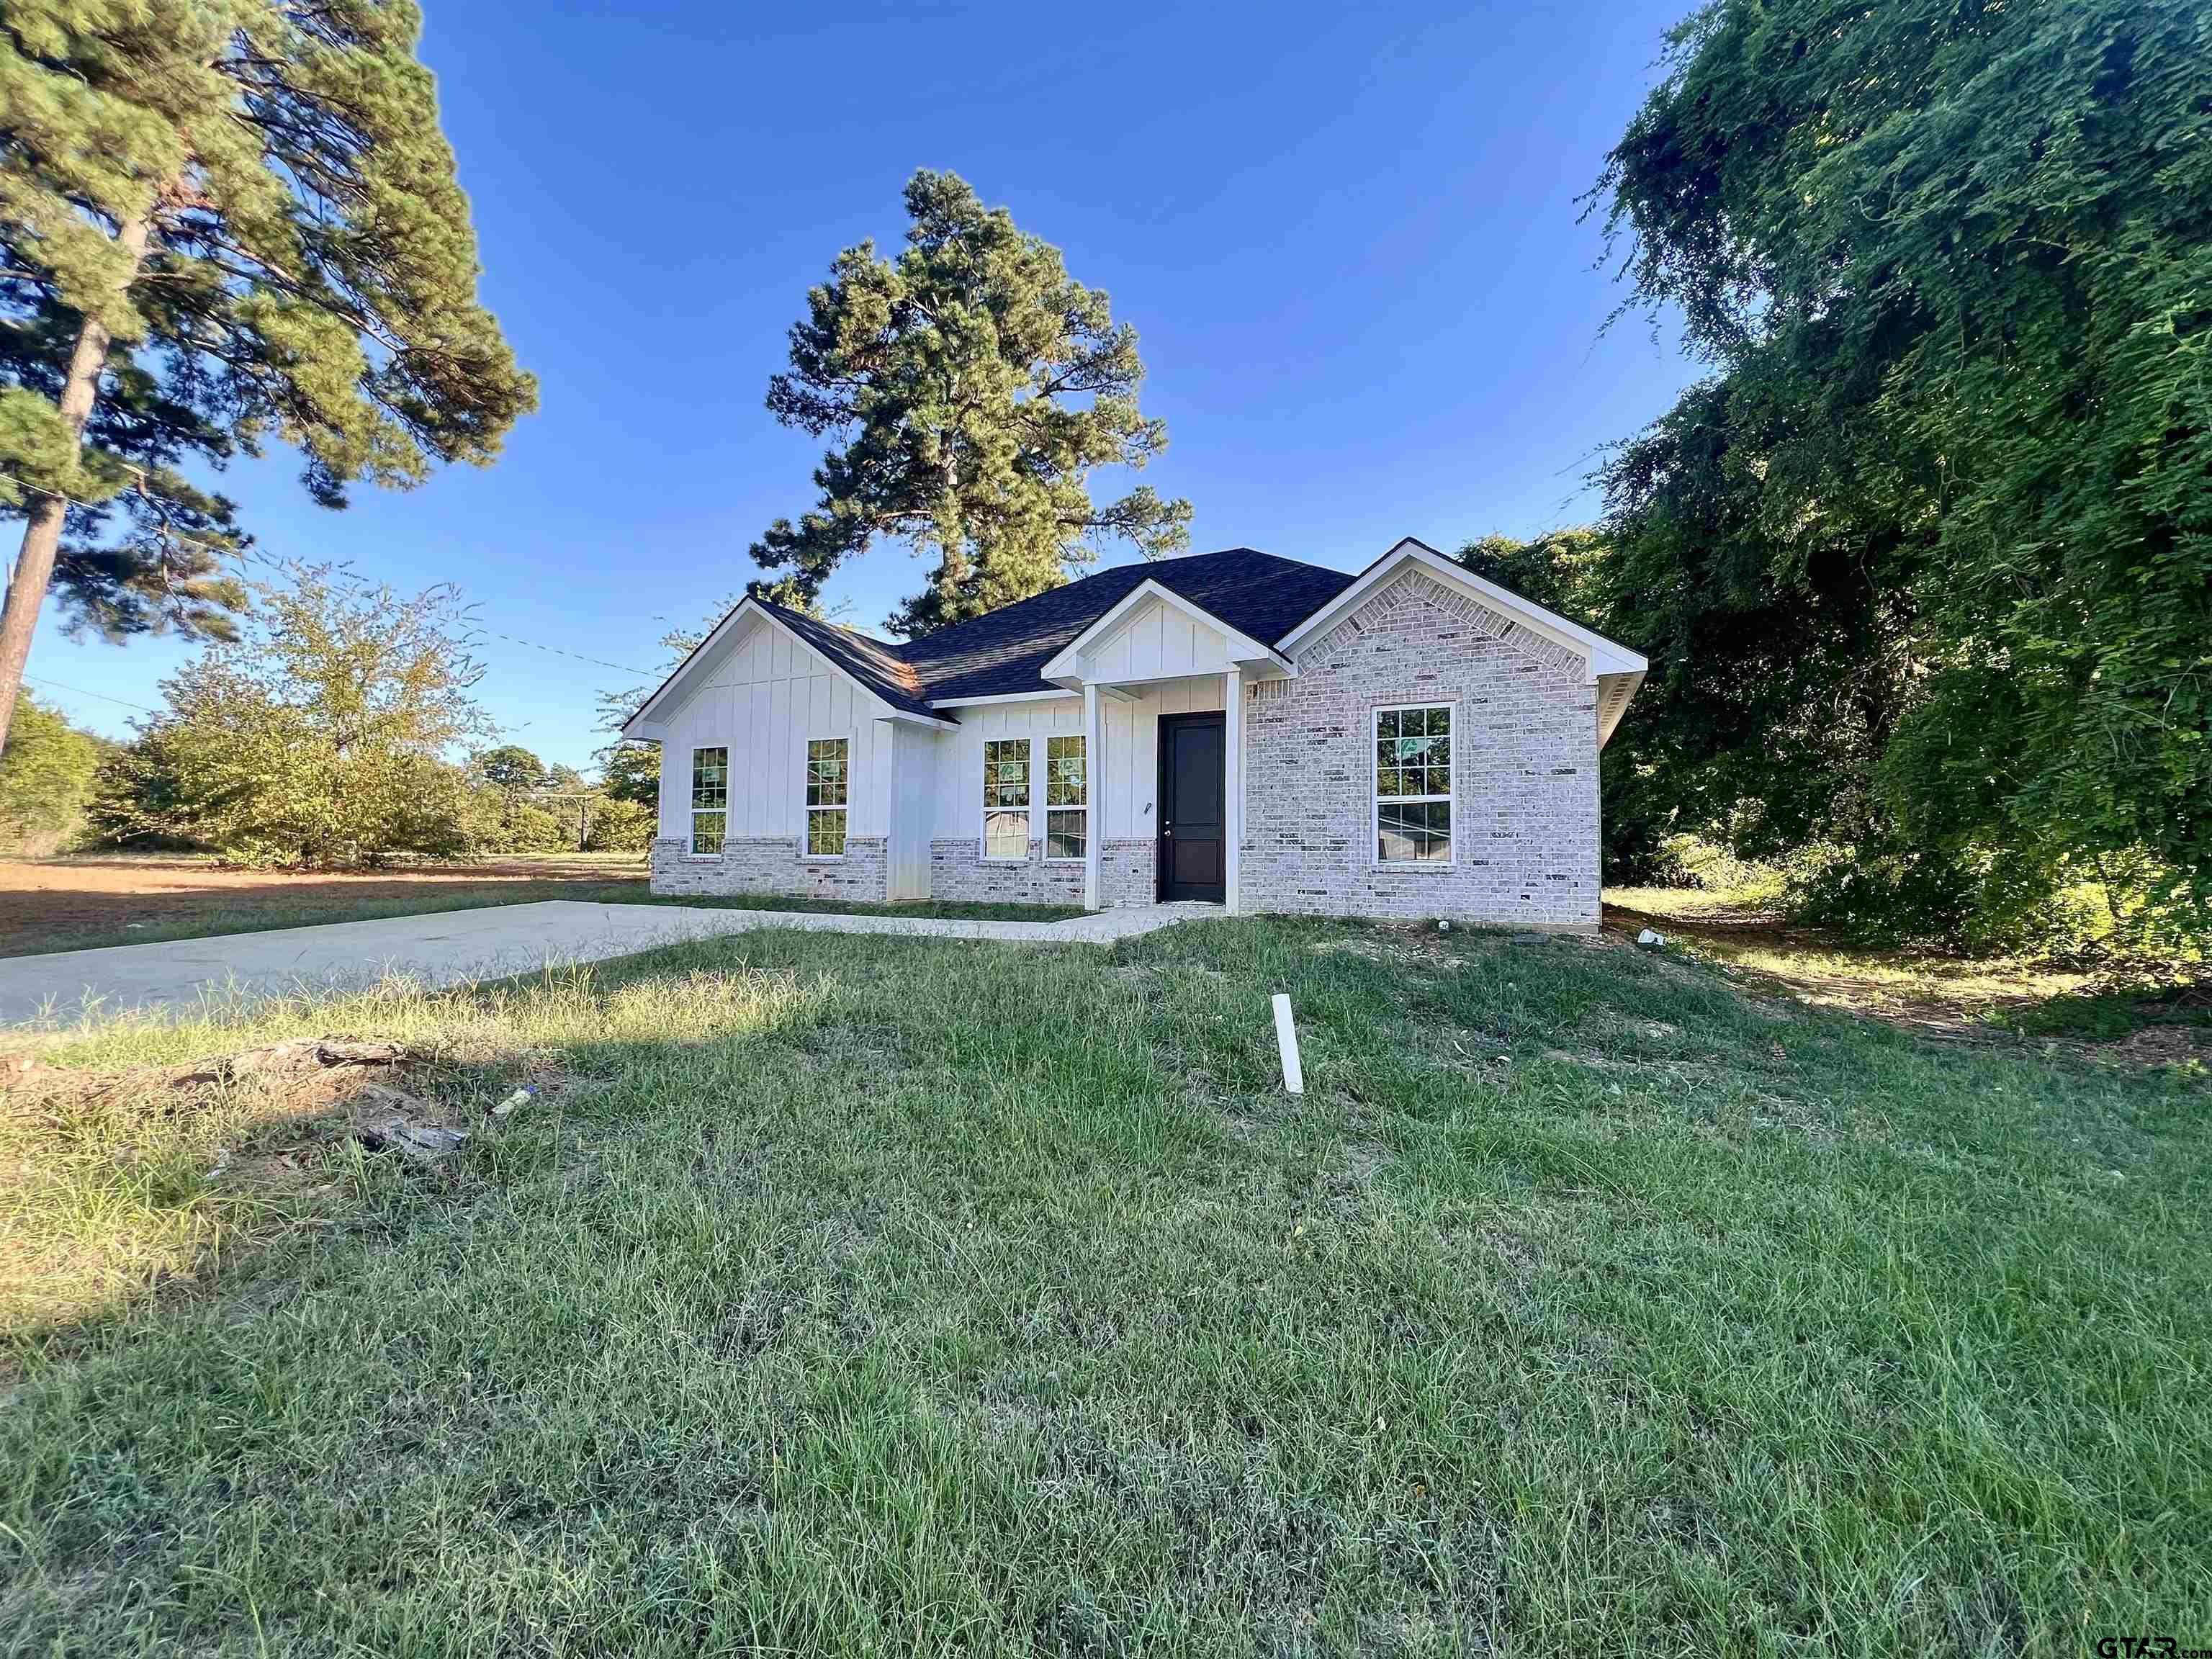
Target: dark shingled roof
(874,663)
(998,654)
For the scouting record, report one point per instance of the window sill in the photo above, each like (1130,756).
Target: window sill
(1413,866)
(822,857)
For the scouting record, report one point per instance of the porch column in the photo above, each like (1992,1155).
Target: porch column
(1094,793)
(1232,765)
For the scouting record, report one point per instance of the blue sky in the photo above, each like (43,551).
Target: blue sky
(1348,238)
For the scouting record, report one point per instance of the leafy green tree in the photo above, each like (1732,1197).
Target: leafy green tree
(318,738)
(512,770)
(974,387)
(222,222)
(631,772)
(1928,564)
(620,826)
(45,778)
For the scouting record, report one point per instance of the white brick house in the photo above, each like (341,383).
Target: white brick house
(1410,741)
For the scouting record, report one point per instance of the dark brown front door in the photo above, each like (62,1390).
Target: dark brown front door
(1194,863)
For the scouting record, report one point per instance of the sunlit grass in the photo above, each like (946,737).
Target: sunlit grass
(854,1294)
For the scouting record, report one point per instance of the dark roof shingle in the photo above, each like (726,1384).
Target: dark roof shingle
(1000,654)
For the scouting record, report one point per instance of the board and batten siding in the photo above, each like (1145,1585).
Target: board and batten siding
(958,812)
(1131,772)
(1123,780)
(767,697)
(1156,641)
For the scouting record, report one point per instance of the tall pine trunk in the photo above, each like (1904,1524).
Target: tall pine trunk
(42,533)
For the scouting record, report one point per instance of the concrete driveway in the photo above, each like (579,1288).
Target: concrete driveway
(451,946)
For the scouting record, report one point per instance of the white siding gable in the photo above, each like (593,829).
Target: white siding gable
(1156,640)
(762,701)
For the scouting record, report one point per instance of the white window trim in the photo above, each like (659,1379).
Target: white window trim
(1048,809)
(1375,859)
(690,812)
(983,853)
(805,857)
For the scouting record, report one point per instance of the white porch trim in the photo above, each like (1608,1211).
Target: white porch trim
(1071,667)
(1232,785)
(1094,794)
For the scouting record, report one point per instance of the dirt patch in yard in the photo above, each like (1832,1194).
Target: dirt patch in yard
(78,903)
(148,1178)
(1952,1000)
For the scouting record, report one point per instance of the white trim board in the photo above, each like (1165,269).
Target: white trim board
(1072,662)
(1602,655)
(673,689)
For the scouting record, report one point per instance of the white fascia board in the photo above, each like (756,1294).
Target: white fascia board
(667,695)
(1604,655)
(726,631)
(1002,697)
(927,722)
(1609,720)
(1071,664)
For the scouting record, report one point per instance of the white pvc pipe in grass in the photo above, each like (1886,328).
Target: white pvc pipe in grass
(1287,1039)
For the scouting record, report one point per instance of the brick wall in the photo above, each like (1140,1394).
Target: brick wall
(957,871)
(1524,755)
(772,864)
(1128,872)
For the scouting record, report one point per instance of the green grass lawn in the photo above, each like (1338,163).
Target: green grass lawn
(853,1294)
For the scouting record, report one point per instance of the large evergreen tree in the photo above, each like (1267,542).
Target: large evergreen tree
(1940,529)
(973,386)
(224,221)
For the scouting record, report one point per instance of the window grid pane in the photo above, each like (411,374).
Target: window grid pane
(827,778)
(825,833)
(1007,835)
(1066,830)
(707,832)
(710,779)
(1412,786)
(1006,797)
(1066,776)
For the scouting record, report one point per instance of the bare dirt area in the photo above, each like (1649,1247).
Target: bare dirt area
(1947,999)
(76,903)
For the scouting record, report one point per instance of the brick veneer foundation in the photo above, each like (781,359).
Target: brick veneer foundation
(772,864)
(958,870)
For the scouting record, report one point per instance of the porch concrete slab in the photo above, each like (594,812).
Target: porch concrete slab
(451,947)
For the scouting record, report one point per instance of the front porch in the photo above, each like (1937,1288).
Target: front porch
(1164,689)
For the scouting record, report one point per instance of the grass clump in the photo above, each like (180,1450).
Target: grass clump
(1582,1303)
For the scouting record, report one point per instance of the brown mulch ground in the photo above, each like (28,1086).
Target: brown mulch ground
(72,903)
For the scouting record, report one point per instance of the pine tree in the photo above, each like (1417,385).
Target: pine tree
(224,221)
(974,386)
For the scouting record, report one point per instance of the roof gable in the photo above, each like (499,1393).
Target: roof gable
(1598,656)
(870,664)
(1005,653)
(1154,633)
(1263,607)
